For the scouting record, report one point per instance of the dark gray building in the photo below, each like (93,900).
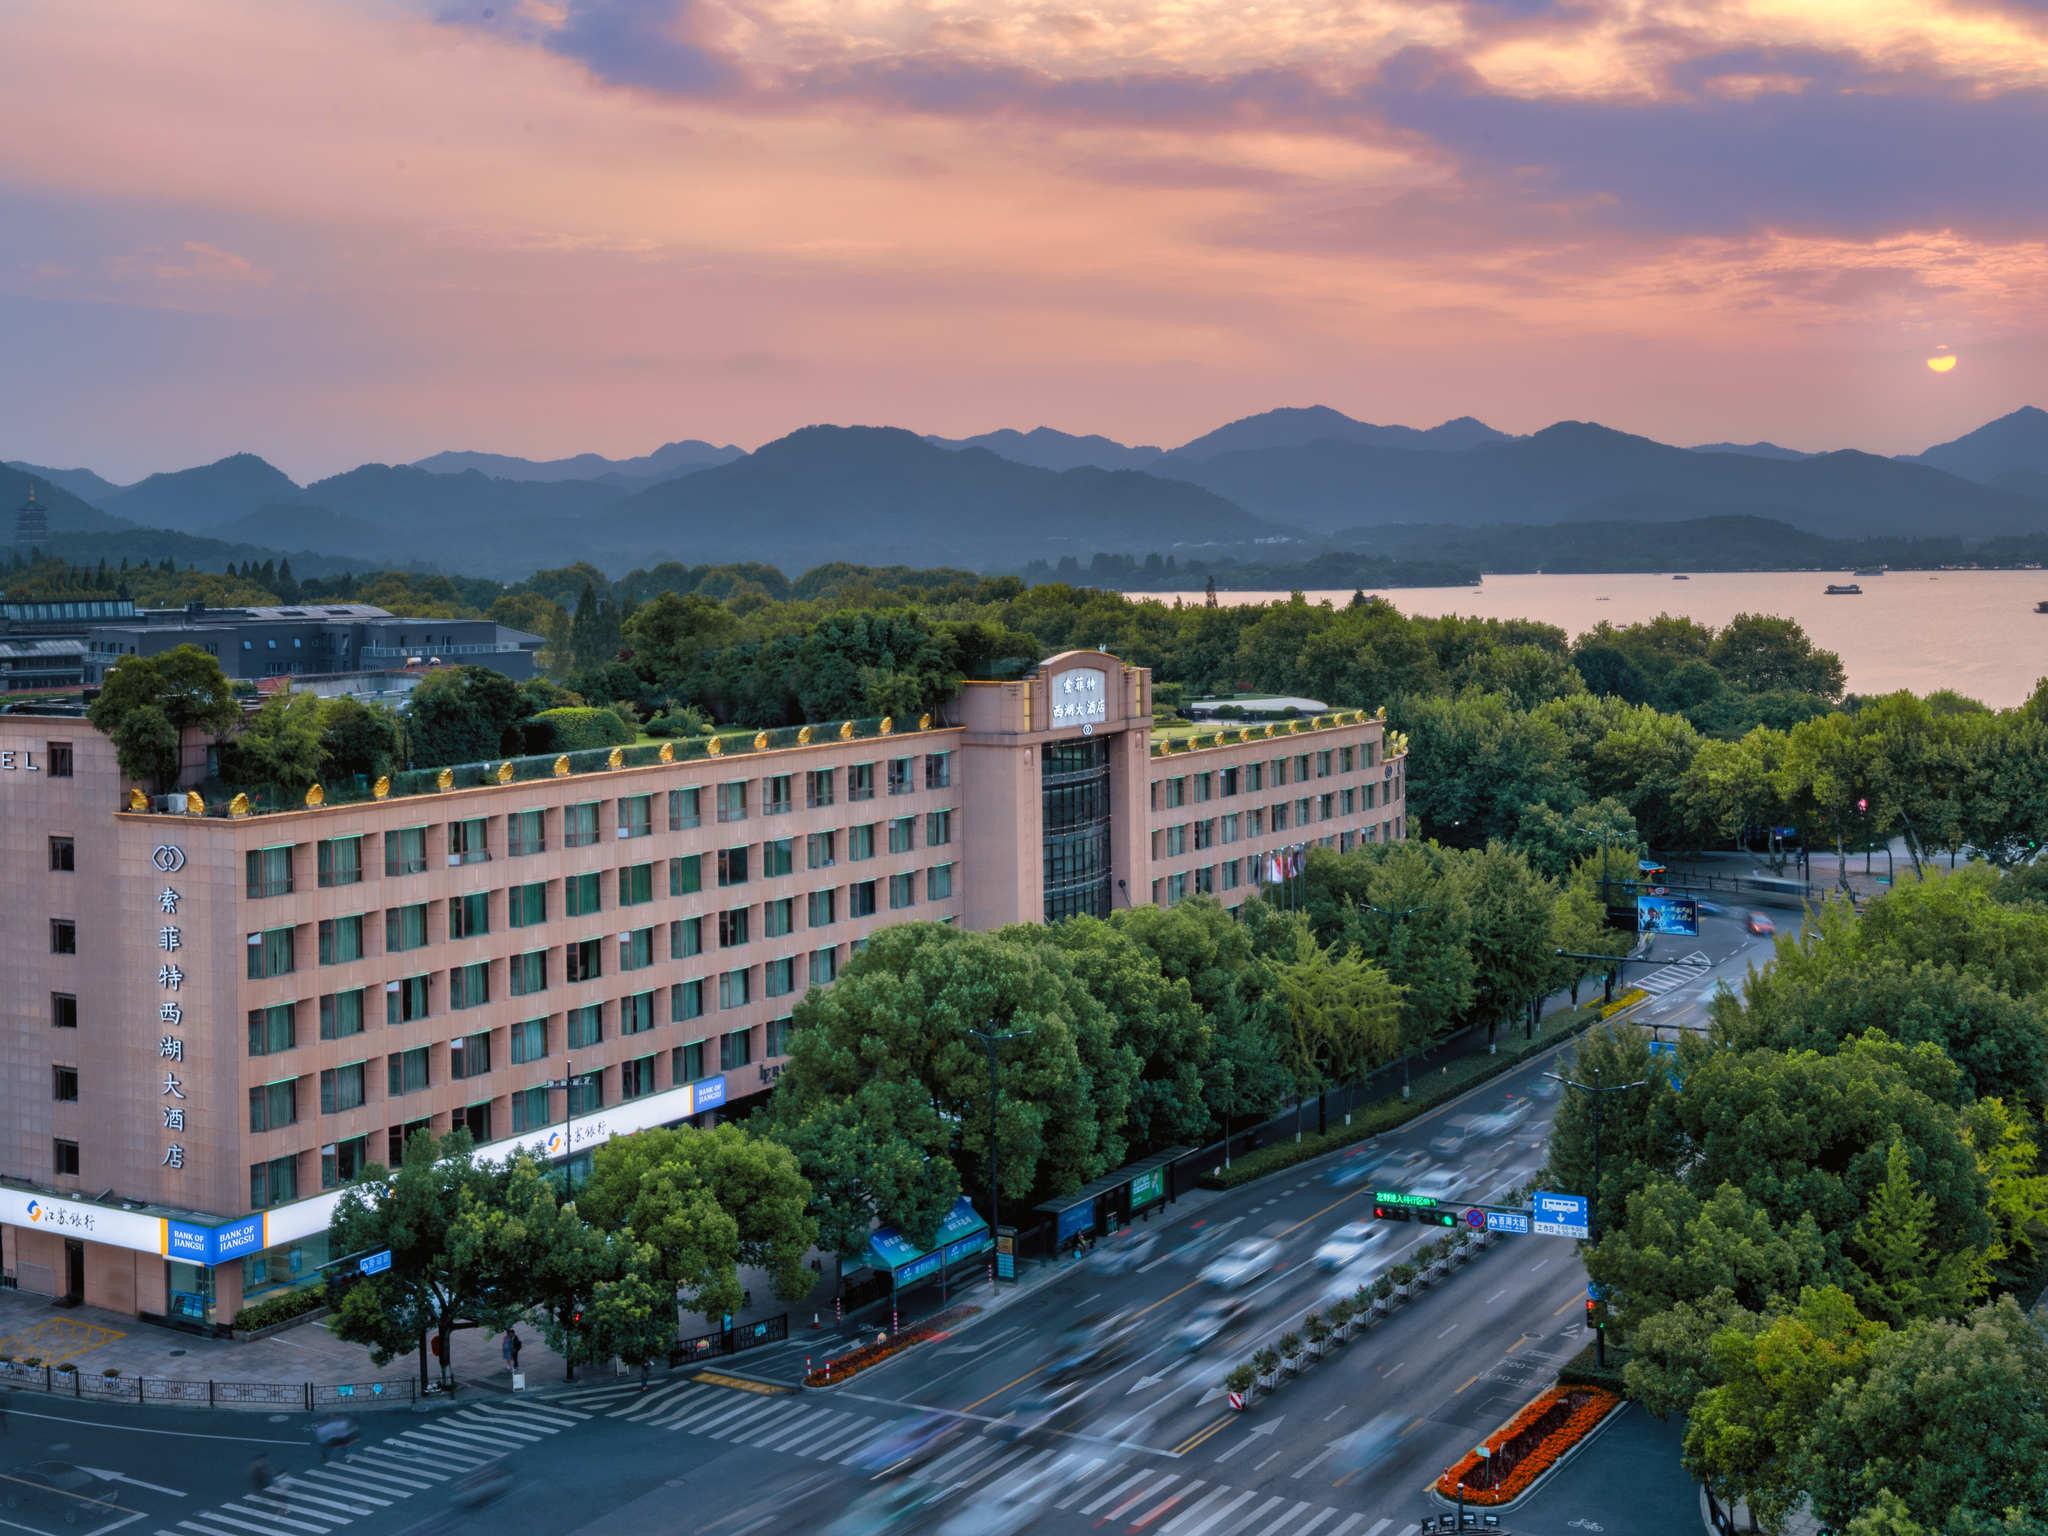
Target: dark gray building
(311,640)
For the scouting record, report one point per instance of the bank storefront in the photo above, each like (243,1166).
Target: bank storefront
(212,1268)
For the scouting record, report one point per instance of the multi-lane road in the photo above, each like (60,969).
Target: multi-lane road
(1146,1446)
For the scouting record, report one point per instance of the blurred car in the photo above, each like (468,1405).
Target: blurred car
(1368,1444)
(1759,925)
(58,1488)
(1095,1343)
(1049,1410)
(1354,1277)
(908,1444)
(1347,1243)
(1357,1168)
(1545,1086)
(1120,1255)
(1241,1263)
(893,1507)
(1008,1512)
(1210,1321)
(1708,908)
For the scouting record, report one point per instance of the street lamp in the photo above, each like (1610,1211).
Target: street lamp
(1394,917)
(1599,1092)
(992,1037)
(568,1084)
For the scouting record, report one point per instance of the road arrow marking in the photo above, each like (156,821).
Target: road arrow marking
(133,1482)
(1265,1428)
(1148,1381)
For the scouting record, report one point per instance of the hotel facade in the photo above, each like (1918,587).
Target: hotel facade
(216,1016)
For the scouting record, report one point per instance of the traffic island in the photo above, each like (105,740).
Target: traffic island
(1510,1463)
(841,1368)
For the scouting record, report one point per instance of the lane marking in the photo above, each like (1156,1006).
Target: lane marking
(1468,1382)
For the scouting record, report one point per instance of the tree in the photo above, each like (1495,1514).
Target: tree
(1763,653)
(1637,1141)
(434,1283)
(1418,927)
(868,1166)
(1948,1417)
(531,1232)
(146,703)
(278,747)
(1669,1360)
(1899,1275)
(461,715)
(1510,934)
(2017,1186)
(358,740)
(1676,1247)
(1343,1015)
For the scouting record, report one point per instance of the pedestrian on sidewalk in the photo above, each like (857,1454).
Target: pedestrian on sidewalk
(643,1374)
(511,1348)
(440,1348)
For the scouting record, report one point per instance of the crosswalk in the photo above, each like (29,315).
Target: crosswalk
(1679,973)
(1094,1482)
(312,1501)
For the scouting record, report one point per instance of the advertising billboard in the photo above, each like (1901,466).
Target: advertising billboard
(1668,914)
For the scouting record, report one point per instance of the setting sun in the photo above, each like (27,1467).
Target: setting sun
(1942,362)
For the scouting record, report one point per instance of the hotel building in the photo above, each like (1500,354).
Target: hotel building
(215,1018)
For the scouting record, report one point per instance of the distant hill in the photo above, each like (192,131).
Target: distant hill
(1579,471)
(201,499)
(2015,444)
(82,483)
(1298,426)
(877,494)
(666,462)
(67,513)
(1045,448)
(1693,544)
(1753,450)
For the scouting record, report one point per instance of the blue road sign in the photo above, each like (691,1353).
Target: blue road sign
(374,1263)
(1554,1215)
(1475,1218)
(1507,1221)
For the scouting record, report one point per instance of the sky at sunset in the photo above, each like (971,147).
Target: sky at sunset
(336,230)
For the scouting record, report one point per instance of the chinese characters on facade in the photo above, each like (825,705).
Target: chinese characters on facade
(1079,696)
(170,1013)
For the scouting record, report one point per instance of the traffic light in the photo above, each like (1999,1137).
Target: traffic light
(1393,1213)
(1592,1313)
(1441,1218)
(576,1317)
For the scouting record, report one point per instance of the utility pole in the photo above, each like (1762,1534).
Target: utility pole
(1395,916)
(992,1037)
(1599,1092)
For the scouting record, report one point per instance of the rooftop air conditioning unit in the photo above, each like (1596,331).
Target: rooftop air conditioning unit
(171,805)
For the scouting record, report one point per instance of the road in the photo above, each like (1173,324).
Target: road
(1146,1447)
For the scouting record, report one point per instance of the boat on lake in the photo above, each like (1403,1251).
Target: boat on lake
(1681,578)
(1875,570)
(2041,607)
(1843,589)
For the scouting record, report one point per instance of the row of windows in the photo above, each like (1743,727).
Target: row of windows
(1217,831)
(1249,778)
(1211,879)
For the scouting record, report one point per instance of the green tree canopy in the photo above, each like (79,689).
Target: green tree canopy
(146,703)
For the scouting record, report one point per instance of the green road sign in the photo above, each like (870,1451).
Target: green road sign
(1396,1197)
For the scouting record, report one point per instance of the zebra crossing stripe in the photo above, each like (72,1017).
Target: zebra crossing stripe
(1080,1480)
(271,1519)
(298,1493)
(1139,1477)
(788,1429)
(863,1429)
(1179,1525)
(380,1464)
(1256,1515)
(546,1413)
(654,1401)
(778,1414)
(203,1530)
(1171,1499)
(315,1479)
(825,1422)
(1304,1530)
(467,1440)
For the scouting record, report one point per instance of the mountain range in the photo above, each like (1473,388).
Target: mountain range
(1297,479)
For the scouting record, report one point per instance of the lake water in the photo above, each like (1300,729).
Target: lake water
(1973,631)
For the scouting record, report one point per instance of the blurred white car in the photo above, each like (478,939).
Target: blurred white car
(1348,1244)
(1210,1321)
(1006,1514)
(1241,1263)
(1369,1443)
(1120,1255)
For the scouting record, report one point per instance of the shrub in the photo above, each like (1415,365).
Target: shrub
(111,1372)
(1402,1274)
(1290,1345)
(1342,1310)
(1241,1377)
(1266,1362)
(687,722)
(1528,1445)
(1383,1287)
(281,1308)
(67,1366)
(579,727)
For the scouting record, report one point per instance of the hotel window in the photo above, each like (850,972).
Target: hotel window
(339,860)
(686,875)
(636,885)
(469,986)
(270,953)
(1176,794)
(1226,782)
(636,1078)
(469,917)
(406,1071)
(686,1063)
(1205,786)
(685,938)
(475,1119)
(732,866)
(1326,806)
(938,770)
(341,1014)
(903,834)
(1371,753)
(528,973)
(735,989)
(1371,796)
(1350,802)
(586,1026)
(824,966)
(778,917)
(526,905)
(636,949)
(64,1157)
(1324,760)
(587,1095)
(735,1050)
(1301,769)
(902,892)
(1255,822)
(529,1109)
(64,1084)
(860,899)
(780,1033)
(900,780)
(469,841)
(1279,771)
(398,1135)
(778,857)
(405,851)
(1279,815)
(268,872)
(529,1041)
(685,809)
(636,1013)
(1205,880)
(686,1002)
(636,816)
(406,1000)
(1229,830)
(64,936)
(820,907)
(342,1161)
(821,850)
(579,825)
(778,977)
(775,795)
(273,1029)
(938,882)
(274,1106)
(732,802)
(818,787)
(1230,874)
(938,828)
(59,759)
(732,928)
(341,1089)
(1344,760)
(582,894)
(1176,888)
(1176,840)
(860,782)
(341,939)
(1205,834)
(63,1011)
(860,842)
(526,832)
(583,960)
(1301,812)
(274,1183)
(404,928)
(1254,777)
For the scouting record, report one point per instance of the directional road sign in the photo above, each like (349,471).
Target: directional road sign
(1555,1215)
(374,1263)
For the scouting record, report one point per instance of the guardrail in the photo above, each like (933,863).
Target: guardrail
(729,1341)
(165,1390)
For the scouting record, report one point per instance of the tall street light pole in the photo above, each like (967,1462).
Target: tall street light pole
(567,1083)
(1599,1092)
(1395,916)
(992,1037)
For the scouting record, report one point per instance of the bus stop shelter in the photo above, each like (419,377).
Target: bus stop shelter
(1137,1189)
(962,1235)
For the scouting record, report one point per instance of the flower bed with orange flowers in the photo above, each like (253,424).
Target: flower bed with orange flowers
(1529,1444)
(844,1367)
